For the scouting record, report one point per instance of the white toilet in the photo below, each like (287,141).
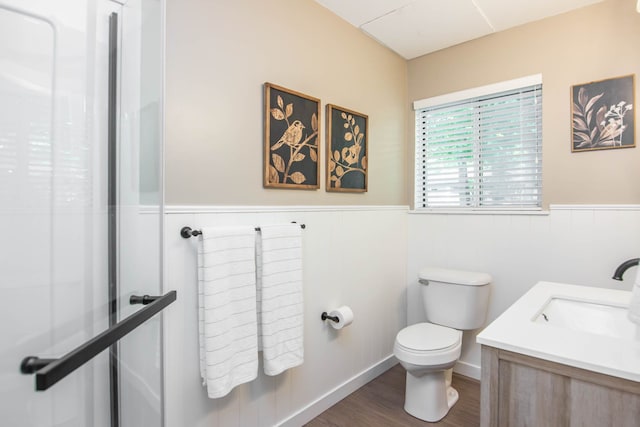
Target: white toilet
(453,300)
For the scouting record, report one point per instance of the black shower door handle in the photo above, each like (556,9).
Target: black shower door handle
(50,371)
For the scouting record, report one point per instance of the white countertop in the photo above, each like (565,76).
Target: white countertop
(515,330)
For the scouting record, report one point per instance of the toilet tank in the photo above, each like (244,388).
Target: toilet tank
(454,298)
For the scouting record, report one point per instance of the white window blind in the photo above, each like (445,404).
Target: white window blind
(483,152)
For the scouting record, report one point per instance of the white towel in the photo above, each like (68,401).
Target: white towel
(280,297)
(227,323)
(634,305)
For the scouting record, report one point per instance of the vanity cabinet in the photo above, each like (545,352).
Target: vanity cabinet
(519,390)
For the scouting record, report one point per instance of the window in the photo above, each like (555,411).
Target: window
(481,148)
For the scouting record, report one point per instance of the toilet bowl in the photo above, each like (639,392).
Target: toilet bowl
(454,300)
(428,353)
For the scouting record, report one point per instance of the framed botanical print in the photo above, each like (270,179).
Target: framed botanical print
(602,114)
(347,150)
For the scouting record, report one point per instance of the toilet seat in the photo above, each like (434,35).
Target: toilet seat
(428,344)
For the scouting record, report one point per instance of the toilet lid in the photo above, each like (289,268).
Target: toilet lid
(427,336)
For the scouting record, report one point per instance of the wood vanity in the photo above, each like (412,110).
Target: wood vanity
(519,390)
(582,372)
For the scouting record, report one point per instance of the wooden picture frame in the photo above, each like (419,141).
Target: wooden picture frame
(290,139)
(347,150)
(603,115)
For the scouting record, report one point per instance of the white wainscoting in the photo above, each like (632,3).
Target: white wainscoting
(578,244)
(353,255)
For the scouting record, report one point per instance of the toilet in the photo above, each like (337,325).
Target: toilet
(454,300)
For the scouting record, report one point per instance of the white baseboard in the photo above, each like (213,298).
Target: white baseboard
(332,397)
(467,369)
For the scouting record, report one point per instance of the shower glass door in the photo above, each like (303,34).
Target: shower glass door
(68,268)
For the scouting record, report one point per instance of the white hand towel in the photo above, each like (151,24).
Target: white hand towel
(281,303)
(634,305)
(227,322)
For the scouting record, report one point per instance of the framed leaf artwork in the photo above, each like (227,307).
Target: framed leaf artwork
(347,150)
(291,139)
(602,114)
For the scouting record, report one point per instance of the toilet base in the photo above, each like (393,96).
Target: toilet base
(430,396)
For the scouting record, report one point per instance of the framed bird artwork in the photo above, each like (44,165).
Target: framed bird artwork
(347,150)
(291,139)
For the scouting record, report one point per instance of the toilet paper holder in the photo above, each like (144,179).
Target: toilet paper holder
(326,316)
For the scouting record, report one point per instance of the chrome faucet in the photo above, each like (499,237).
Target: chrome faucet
(624,267)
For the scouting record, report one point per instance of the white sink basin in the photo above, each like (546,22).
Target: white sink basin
(586,327)
(587,316)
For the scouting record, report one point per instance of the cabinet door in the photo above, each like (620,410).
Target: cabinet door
(519,390)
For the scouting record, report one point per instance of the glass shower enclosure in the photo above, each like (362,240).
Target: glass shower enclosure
(81,213)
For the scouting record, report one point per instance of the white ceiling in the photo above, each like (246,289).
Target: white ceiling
(416,27)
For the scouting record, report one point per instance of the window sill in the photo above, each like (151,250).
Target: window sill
(533,212)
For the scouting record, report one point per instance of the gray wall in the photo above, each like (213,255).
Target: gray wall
(593,43)
(219,54)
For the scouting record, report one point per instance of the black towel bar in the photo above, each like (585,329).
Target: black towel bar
(187,231)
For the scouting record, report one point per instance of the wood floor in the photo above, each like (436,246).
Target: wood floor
(380,403)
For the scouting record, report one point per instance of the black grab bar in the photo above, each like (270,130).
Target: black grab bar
(50,371)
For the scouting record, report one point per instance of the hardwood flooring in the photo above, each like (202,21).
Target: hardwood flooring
(381,402)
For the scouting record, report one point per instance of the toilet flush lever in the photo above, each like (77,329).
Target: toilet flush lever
(423,281)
